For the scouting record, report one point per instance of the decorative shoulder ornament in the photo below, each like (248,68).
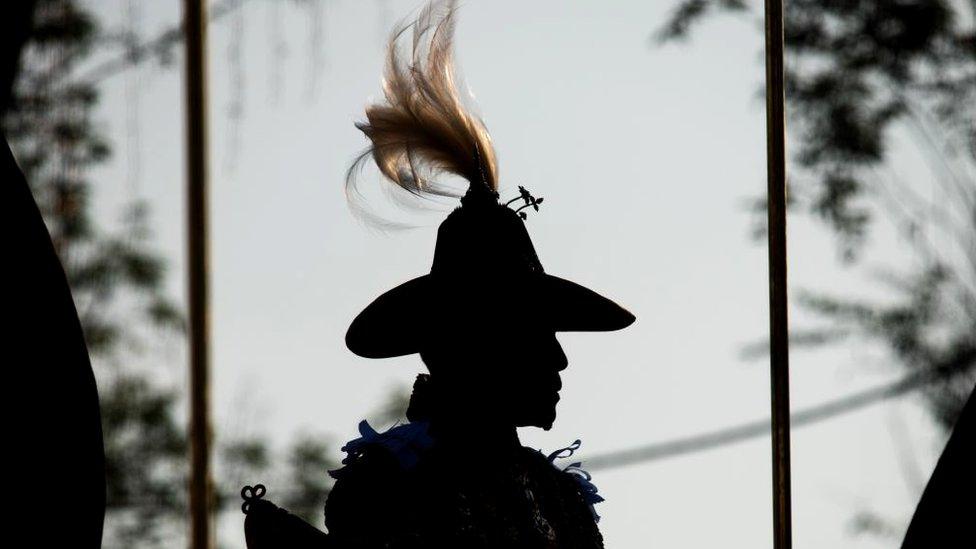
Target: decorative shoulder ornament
(405,442)
(583,478)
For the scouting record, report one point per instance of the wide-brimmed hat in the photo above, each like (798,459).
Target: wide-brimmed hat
(484,267)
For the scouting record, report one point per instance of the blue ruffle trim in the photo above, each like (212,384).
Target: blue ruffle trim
(404,442)
(590,496)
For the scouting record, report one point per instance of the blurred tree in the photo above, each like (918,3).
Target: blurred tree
(145,451)
(16,28)
(857,74)
(116,280)
(308,485)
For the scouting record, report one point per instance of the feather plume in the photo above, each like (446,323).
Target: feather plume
(422,129)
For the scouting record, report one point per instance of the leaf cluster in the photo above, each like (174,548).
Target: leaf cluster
(855,71)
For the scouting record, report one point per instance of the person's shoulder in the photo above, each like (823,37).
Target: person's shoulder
(545,471)
(375,475)
(376,459)
(365,481)
(398,448)
(568,496)
(546,464)
(571,480)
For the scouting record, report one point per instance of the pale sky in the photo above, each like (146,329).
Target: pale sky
(645,155)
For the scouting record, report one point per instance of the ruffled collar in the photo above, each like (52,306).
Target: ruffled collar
(407,441)
(583,478)
(404,442)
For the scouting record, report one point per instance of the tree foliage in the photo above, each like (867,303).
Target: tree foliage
(117,282)
(308,486)
(115,278)
(858,72)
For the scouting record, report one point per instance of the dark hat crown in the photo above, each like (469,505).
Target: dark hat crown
(483,241)
(483,260)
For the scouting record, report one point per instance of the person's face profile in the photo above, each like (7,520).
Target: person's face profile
(511,370)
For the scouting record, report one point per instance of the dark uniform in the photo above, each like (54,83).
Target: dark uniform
(395,493)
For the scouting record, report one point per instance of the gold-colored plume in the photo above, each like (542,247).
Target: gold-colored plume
(422,128)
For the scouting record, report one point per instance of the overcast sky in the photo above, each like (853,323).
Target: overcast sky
(646,156)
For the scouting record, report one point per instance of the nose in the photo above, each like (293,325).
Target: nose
(560,362)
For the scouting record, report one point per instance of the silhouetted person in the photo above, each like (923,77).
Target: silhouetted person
(944,516)
(484,322)
(53,443)
(54,459)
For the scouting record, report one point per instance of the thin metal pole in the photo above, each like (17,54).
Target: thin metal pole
(778,317)
(194,21)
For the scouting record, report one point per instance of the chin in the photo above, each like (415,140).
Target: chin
(538,411)
(543,420)
(550,414)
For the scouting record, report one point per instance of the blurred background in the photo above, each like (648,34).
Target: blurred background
(641,123)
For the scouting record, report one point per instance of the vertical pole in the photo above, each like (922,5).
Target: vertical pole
(194,25)
(776,230)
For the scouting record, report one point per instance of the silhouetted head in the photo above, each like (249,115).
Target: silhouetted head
(484,320)
(505,370)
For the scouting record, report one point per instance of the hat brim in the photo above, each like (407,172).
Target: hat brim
(394,323)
